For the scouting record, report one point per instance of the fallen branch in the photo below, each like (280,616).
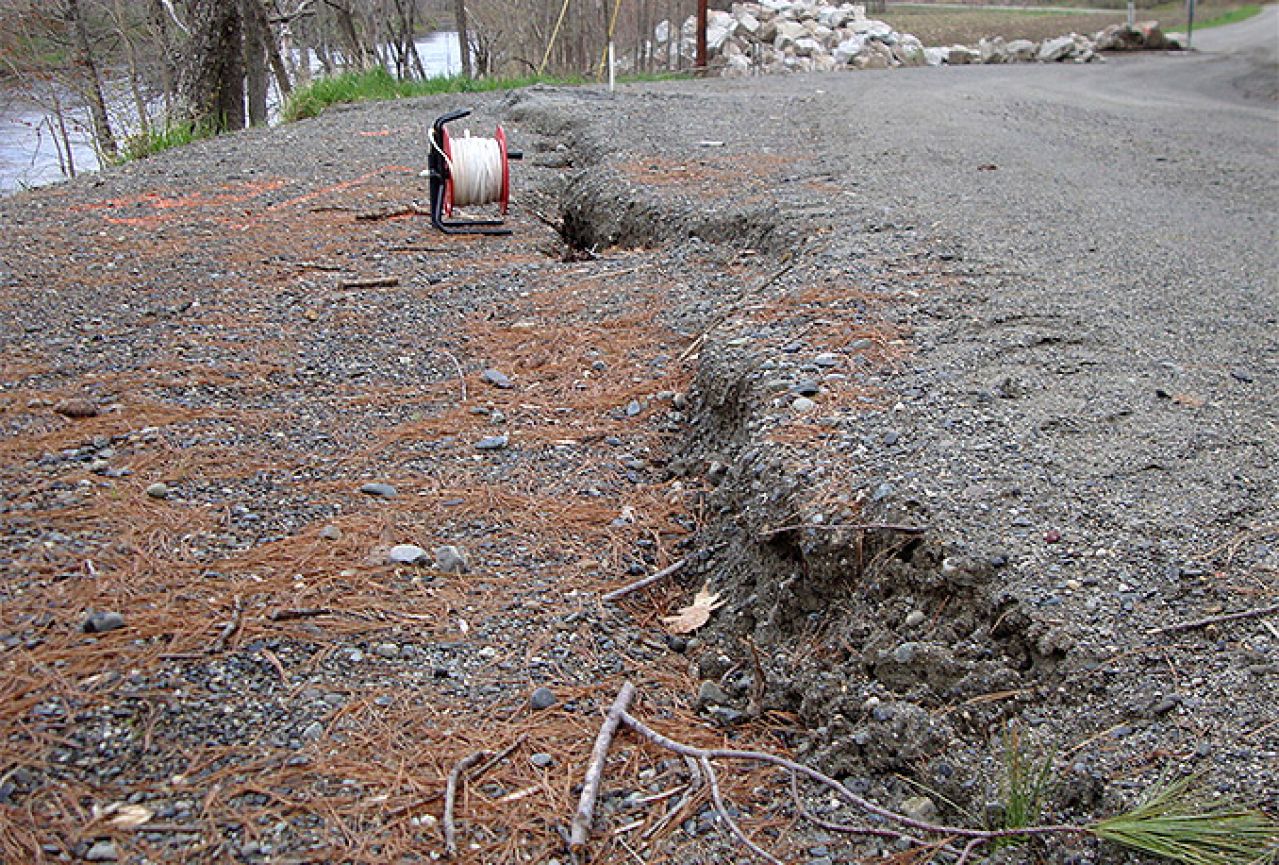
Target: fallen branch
(450,800)
(231,627)
(1255,613)
(618,715)
(831,527)
(391,213)
(697,343)
(461,378)
(644,582)
(581,830)
(456,777)
(304,613)
(371,282)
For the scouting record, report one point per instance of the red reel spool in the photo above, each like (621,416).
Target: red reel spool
(504,201)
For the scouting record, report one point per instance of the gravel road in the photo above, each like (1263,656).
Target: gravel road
(771,325)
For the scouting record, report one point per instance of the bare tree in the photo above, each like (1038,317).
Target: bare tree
(463,37)
(91,82)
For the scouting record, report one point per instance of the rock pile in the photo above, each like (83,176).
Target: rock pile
(806,36)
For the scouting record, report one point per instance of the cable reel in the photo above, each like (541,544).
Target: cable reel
(468,171)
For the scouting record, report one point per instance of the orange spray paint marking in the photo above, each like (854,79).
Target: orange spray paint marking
(160,205)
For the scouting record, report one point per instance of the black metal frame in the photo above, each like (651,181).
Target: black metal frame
(438,168)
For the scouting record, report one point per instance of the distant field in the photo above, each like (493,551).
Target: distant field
(947,24)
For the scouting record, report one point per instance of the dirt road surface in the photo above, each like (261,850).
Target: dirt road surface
(957,384)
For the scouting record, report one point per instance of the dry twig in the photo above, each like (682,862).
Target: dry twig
(371,282)
(231,627)
(450,800)
(831,527)
(1256,612)
(644,582)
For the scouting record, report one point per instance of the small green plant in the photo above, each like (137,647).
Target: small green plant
(159,139)
(1026,783)
(1176,823)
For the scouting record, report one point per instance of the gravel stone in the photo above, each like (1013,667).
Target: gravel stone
(379,490)
(451,560)
(102,851)
(406,554)
(103,621)
(543,698)
(496,379)
(76,407)
(493,443)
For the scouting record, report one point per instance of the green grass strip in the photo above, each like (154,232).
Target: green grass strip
(378,84)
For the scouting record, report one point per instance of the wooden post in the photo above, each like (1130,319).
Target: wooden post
(702,61)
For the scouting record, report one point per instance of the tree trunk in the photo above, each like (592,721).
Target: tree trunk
(212,79)
(463,38)
(256,37)
(102,133)
(159,26)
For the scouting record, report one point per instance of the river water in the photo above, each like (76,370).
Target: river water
(29,156)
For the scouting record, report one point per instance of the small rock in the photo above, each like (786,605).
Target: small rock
(1241,375)
(77,407)
(711,694)
(313,731)
(919,808)
(379,490)
(101,622)
(158,490)
(803,405)
(727,715)
(102,851)
(807,387)
(406,554)
(386,650)
(331,533)
(497,379)
(827,360)
(915,618)
(451,560)
(633,408)
(541,760)
(543,698)
(492,443)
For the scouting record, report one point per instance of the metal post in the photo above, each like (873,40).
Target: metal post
(1132,14)
(702,62)
(1190,21)
(612,65)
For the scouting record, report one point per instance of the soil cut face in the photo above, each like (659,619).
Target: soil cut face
(953,420)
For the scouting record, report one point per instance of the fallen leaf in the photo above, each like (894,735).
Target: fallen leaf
(696,614)
(1189,400)
(128,816)
(123,815)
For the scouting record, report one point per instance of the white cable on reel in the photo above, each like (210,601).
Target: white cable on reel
(475,167)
